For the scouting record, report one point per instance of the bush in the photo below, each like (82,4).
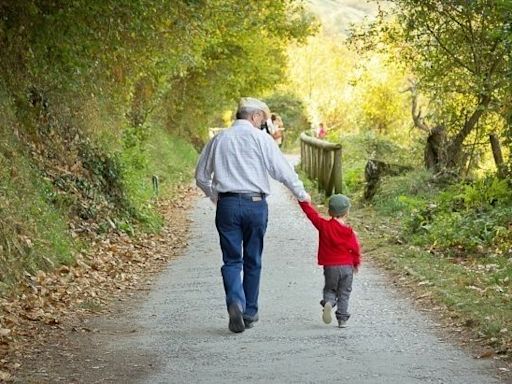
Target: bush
(357,149)
(466,216)
(161,155)
(406,193)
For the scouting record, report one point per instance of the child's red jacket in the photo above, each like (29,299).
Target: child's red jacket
(338,243)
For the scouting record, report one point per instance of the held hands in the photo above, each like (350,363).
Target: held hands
(306,198)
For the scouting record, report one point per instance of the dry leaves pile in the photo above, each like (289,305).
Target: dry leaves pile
(114,264)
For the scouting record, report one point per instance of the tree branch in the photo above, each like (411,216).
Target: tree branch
(450,53)
(416,116)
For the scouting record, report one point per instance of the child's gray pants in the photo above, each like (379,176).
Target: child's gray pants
(338,285)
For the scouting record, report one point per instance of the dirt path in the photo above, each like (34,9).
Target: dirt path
(177,332)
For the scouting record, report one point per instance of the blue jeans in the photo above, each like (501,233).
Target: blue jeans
(241,223)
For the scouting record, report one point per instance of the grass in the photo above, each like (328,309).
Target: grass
(33,232)
(475,291)
(170,159)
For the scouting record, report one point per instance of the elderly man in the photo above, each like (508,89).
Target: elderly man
(233,172)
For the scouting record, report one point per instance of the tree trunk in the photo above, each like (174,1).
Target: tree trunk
(454,149)
(435,149)
(374,171)
(498,156)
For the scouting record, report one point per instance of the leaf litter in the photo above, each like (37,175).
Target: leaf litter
(113,265)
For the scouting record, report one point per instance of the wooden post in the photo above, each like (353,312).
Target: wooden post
(326,154)
(313,162)
(317,163)
(330,186)
(321,165)
(310,161)
(302,155)
(338,181)
(328,173)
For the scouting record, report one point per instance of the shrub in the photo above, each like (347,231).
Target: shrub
(467,216)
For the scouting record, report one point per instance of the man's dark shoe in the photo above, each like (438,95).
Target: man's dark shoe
(236,320)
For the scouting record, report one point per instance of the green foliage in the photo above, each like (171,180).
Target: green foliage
(475,289)
(482,194)
(357,149)
(185,60)
(33,230)
(458,56)
(85,87)
(243,55)
(468,216)
(402,195)
(346,91)
(168,158)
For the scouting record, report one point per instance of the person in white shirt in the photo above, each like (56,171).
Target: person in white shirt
(233,171)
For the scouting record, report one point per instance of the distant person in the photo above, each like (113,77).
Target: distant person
(233,172)
(278,128)
(322,131)
(339,253)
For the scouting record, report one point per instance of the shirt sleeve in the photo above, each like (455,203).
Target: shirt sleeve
(204,171)
(280,169)
(312,214)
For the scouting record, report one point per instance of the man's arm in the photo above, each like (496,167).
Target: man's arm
(281,170)
(204,171)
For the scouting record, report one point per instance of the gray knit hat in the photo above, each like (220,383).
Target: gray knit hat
(339,204)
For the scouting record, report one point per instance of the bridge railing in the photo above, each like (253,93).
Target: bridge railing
(321,161)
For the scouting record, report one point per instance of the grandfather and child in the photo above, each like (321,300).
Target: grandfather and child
(233,171)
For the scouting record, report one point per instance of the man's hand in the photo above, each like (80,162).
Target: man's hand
(306,198)
(214,199)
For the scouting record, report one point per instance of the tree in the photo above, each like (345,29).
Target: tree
(458,53)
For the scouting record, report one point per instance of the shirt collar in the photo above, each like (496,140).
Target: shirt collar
(242,122)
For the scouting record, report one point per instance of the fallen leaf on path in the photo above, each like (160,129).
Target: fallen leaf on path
(4,332)
(486,354)
(5,376)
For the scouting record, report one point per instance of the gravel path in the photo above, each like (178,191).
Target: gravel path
(182,325)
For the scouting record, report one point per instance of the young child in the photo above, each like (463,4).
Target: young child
(339,253)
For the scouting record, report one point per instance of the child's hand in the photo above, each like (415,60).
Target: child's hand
(356,269)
